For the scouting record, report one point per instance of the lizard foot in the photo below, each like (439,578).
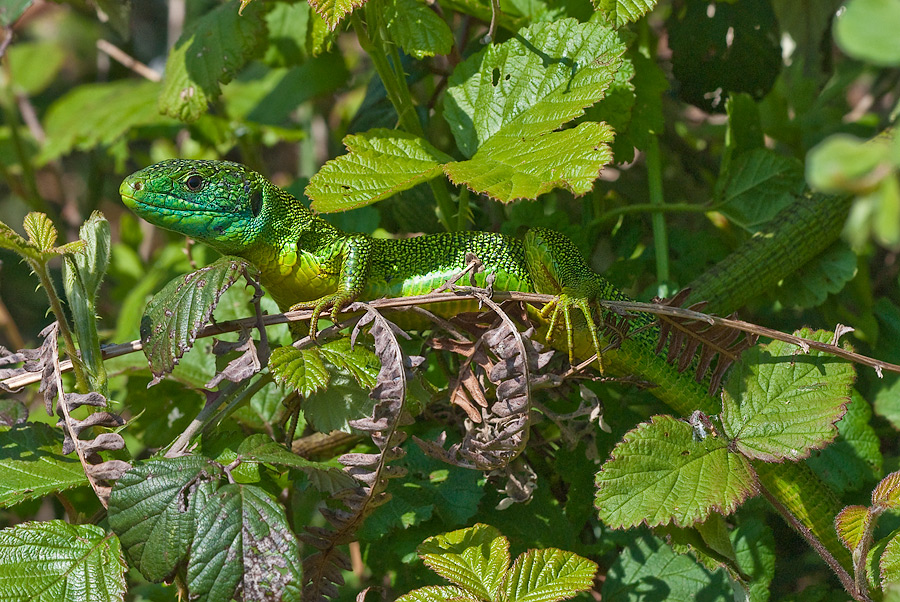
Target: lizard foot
(336,302)
(563,304)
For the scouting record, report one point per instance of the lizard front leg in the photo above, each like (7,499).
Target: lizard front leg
(351,260)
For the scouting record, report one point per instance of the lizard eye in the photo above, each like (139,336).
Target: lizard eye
(194,183)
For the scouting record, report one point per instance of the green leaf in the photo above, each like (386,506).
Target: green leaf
(439,593)
(207,54)
(851,525)
(300,369)
(260,448)
(621,12)
(243,541)
(854,459)
(35,65)
(11,10)
(780,403)
(475,558)
(95,115)
(505,103)
(152,509)
(647,569)
(890,562)
(887,493)
(334,408)
(334,11)
(867,30)
(825,274)
(417,29)
(379,164)
(548,575)
(357,360)
(32,464)
(429,487)
(176,513)
(513,166)
(759,184)
(845,163)
(754,546)
(10,239)
(57,562)
(82,274)
(41,231)
(660,473)
(177,313)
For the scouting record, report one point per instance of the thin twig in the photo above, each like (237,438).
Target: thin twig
(127,60)
(619,307)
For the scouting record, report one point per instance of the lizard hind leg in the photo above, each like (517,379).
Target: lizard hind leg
(557,267)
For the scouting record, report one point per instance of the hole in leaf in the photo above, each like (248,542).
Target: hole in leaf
(495,77)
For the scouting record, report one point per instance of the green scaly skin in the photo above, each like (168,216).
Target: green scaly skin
(305,262)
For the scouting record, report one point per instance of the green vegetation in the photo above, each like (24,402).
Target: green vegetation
(743,149)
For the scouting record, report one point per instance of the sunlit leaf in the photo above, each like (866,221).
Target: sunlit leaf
(54,561)
(379,164)
(32,463)
(662,472)
(475,558)
(505,104)
(781,403)
(209,53)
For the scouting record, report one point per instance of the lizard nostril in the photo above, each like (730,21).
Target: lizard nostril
(137,185)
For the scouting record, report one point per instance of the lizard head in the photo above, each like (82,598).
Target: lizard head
(221,203)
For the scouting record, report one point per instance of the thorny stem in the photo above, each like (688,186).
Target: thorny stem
(40,269)
(373,42)
(121,349)
(817,545)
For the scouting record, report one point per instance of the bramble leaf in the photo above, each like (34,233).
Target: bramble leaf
(890,562)
(439,593)
(177,513)
(845,163)
(854,459)
(661,473)
(334,11)
(260,448)
(358,361)
(505,103)
(95,115)
(548,575)
(242,543)
(887,493)
(417,29)
(823,275)
(867,30)
(475,558)
(759,184)
(40,231)
(300,369)
(379,164)
(621,12)
(851,524)
(54,561)
(208,54)
(32,463)
(177,313)
(647,563)
(780,403)
(152,510)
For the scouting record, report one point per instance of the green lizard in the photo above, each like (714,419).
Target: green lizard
(307,263)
